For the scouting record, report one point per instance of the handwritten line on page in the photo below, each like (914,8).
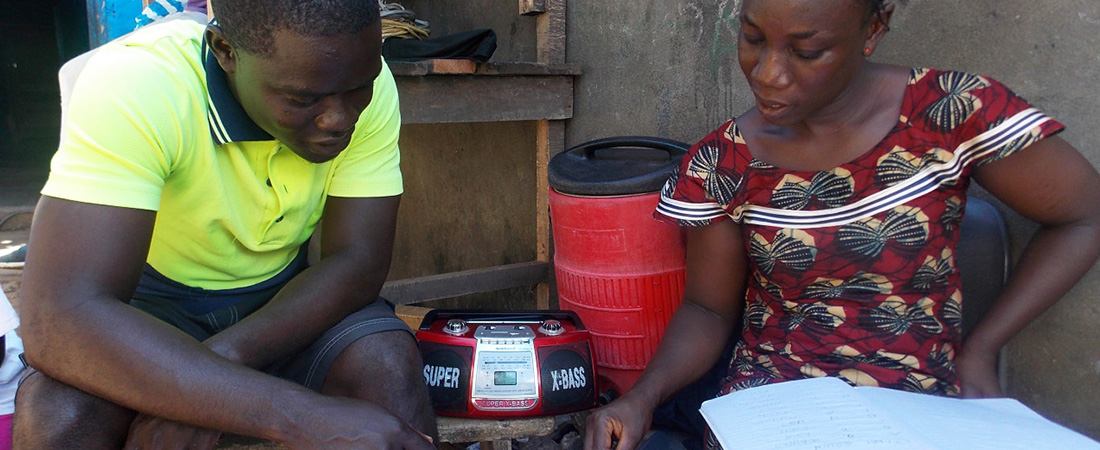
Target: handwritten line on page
(827,413)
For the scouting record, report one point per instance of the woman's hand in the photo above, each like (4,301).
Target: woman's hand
(1062,194)
(625,420)
(977,373)
(714,298)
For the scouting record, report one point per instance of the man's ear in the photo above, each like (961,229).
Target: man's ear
(222,49)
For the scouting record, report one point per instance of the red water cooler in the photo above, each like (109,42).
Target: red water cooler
(617,267)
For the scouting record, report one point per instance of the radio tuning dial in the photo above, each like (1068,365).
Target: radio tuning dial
(456,327)
(551,327)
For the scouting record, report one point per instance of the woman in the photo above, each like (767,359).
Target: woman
(823,221)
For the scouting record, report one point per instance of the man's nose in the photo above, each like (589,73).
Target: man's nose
(338,116)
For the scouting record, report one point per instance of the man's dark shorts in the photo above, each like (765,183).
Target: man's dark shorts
(202,313)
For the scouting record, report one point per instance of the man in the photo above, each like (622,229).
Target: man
(194,165)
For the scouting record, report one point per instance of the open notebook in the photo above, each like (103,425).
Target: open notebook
(827,413)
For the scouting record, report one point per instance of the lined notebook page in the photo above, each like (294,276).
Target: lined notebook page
(816,413)
(826,413)
(1000,423)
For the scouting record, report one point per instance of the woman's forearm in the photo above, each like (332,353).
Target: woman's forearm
(1054,260)
(691,345)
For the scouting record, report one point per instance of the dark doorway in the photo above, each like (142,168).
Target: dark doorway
(36,37)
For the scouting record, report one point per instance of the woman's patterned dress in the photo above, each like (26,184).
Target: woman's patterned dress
(852,270)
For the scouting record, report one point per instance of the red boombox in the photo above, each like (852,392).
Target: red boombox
(507,364)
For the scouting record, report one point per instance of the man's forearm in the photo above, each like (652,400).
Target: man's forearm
(306,307)
(356,247)
(165,373)
(78,329)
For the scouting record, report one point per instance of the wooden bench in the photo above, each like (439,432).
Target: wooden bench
(492,434)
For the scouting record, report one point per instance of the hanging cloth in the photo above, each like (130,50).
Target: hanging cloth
(477,45)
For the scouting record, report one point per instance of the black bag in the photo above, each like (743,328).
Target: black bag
(477,45)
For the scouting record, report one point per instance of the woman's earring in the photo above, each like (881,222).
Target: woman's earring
(867,51)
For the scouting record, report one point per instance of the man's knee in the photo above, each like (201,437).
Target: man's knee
(50,415)
(385,368)
(389,358)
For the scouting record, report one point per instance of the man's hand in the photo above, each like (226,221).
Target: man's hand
(154,433)
(624,420)
(345,423)
(977,373)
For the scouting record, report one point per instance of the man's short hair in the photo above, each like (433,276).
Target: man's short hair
(250,24)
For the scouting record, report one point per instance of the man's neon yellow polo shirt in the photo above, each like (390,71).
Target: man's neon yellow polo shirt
(151,124)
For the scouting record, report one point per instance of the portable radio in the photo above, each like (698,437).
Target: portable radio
(483,364)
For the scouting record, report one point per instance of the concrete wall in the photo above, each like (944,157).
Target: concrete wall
(668,68)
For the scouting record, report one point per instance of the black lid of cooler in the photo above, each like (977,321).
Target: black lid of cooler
(616,166)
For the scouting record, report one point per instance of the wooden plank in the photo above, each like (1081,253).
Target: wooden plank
(446,66)
(556,136)
(412,315)
(466,98)
(488,169)
(550,33)
(542,206)
(532,7)
(454,284)
(550,141)
(428,67)
(528,68)
(454,429)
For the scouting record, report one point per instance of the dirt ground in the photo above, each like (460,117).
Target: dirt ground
(9,279)
(10,273)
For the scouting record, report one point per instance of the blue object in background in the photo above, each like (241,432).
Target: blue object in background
(158,9)
(109,19)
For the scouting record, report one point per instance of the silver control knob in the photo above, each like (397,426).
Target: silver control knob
(456,327)
(551,327)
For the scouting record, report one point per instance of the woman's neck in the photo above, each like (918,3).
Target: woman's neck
(848,127)
(852,109)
